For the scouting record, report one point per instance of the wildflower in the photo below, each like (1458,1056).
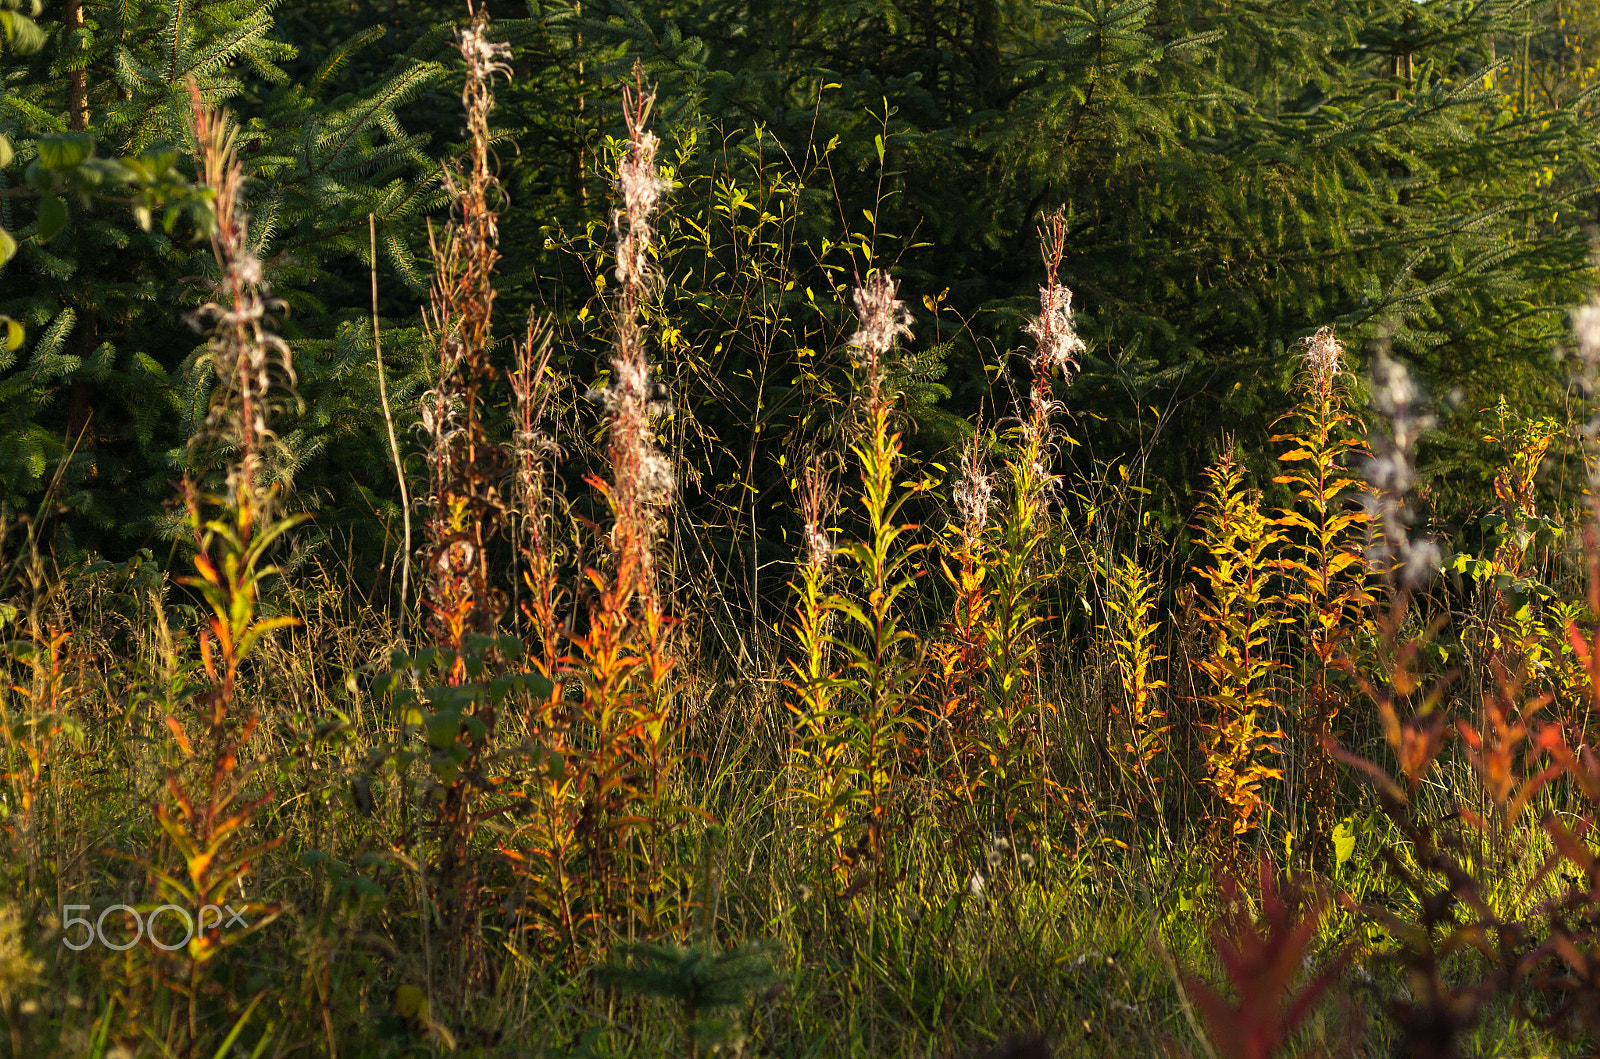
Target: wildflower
(1026,860)
(973,494)
(1056,342)
(815,502)
(803,892)
(994,857)
(1398,400)
(1586,325)
(976,884)
(530,447)
(819,546)
(641,189)
(642,476)
(484,57)
(244,347)
(883,318)
(1324,357)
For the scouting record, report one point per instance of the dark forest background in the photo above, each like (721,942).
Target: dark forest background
(1235,173)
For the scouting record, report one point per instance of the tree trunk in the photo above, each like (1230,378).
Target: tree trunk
(77,80)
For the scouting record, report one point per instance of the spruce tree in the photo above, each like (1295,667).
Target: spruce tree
(1236,175)
(111,382)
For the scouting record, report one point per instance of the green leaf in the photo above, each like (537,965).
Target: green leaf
(52,216)
(443,727)
(65,150)
(1344,843)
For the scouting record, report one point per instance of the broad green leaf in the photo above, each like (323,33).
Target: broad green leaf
(52,216)
(65,150)
(1344,843)
(443,728)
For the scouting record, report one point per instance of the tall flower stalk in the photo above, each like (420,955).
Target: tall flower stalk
(246,351)
(592,851)
(1240,615)
(466,510)
(1014,708)
(852,692)
(1324,534)
(1392,472)
(640,482)
(209,807)
(1056,346)
(465,507)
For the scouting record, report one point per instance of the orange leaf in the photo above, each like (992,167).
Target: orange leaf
(179,734)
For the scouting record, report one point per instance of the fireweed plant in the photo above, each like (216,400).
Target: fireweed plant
(1324,561)
(1243,608)
(854,684)
(985,780)
(212,798)
(448,697)
(589,850)
(623,666)
(1014,707)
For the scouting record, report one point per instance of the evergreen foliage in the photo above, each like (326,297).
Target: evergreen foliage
(111,384)
(1235,176)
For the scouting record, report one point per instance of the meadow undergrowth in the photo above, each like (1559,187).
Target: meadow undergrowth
(993,772)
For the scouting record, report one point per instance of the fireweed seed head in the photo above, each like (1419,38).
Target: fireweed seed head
(1056,343)
(1400,404)
(638,183)
(641,189)
(819,546)
(656,480)
(1402,408)
(1324,357)
(484,57)
(973,493)
(246,269)
(816,503)
(1395,395)
(632,401)
(1586,328)
(882,319)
